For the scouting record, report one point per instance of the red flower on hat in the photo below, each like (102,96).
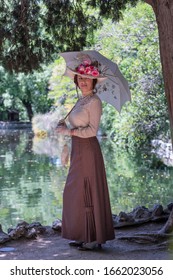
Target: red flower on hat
(95,73)
(81,69)
(87,62)
(86,68)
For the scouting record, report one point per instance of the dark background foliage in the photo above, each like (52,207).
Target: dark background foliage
(32,32)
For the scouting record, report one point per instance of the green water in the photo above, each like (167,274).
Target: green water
(32,179)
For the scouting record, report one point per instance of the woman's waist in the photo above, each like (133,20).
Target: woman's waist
(84,139)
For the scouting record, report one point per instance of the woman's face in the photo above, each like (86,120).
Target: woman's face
(85,84)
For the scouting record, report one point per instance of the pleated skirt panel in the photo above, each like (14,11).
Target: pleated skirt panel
(87,213)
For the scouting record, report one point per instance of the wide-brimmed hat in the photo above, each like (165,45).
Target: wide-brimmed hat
(85,67)
(112,87)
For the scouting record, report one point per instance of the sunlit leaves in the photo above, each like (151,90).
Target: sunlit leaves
(61,88)
(25,92)
(133,43)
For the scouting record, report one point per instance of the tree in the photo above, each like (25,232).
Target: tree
(164,18)
(23,45)
(25,91)
(133,44)
(33,32)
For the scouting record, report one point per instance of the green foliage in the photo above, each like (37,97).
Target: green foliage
(112,8)
(27,93)
(33,88)
(133,44)
(61,88)
(33,32)
(21,36)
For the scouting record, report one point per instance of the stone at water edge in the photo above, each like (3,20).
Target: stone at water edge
(157,210)
(24,229)
(57,224)
(4,237)
(17,232)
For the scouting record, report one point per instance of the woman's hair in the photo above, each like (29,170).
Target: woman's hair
(76,82)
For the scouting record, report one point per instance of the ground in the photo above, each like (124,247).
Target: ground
(51,246)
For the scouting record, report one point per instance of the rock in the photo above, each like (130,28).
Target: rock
(32,233)
(33,225)
(17,232)
(141,212)
(22,224)
(24,229)
(115,218)
(157,210)
(9,229)
(123,217)
(57,224)
(4,237)
(138,216)
(170,206)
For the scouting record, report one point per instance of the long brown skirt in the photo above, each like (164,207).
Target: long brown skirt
(86,207)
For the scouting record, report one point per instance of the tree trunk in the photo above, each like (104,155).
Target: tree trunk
(163,10)
(29,110)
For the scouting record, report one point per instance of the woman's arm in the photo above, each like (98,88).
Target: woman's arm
(94,110)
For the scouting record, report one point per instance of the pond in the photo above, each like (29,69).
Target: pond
(32,178)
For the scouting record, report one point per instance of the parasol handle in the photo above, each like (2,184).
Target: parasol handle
(61,122)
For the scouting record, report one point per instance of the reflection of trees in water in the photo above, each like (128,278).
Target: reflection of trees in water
(16,139)
(9,138)
(132,181)
(53,147)
(31,187)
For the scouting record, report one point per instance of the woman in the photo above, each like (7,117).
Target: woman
(87,217)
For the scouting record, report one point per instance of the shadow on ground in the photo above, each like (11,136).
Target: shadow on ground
(51,246)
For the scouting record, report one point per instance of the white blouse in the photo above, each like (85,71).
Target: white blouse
(85,116)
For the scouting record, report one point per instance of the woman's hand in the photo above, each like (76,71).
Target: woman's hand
(62,129)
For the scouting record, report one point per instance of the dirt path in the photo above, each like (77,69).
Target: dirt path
(51,246)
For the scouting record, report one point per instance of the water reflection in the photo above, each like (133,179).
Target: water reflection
(31,186)
(33,173)
(57,148)
(134,181)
